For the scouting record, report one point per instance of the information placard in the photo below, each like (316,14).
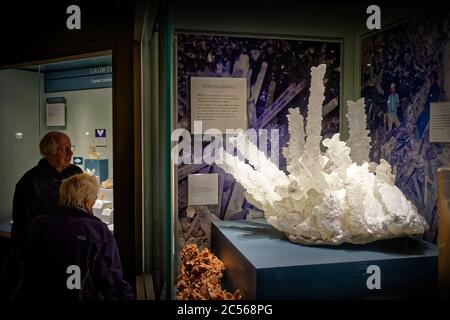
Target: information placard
(440,122)
(55,114)
(203,189)
(220,103)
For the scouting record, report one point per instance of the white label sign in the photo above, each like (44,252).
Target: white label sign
(440,122)
(203,189)
(219,103)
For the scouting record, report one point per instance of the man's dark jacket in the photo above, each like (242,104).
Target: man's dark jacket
(37,193)
(54,243)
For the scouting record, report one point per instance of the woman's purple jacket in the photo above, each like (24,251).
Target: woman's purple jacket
(71,254)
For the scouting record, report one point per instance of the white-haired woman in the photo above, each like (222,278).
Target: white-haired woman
(71,254)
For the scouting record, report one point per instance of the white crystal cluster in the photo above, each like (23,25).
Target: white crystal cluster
(328,197)
(359,140)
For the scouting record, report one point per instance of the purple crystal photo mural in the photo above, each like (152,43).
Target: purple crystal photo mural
(404,70)
(278,73)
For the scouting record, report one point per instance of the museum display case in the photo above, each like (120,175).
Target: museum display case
(298,150)
(287,169)
(74,97)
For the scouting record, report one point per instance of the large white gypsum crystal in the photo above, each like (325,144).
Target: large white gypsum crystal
(327,198)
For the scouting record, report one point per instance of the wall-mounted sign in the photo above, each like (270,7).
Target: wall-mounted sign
(78,161)
(440,122)
(203,189)
(220,103)
(55,114)
(100,137)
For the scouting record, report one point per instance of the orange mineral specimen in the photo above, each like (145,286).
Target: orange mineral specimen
(200,275)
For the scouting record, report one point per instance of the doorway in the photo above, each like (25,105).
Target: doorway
(73,96)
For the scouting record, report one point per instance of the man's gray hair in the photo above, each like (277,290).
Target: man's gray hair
(48,144)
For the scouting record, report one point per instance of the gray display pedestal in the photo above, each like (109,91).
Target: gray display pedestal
(263,264)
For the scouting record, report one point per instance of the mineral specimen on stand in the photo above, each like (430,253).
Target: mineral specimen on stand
(93,154)
(328,197)
(200,275)
(107,184)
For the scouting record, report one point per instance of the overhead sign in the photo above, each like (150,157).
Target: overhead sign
(79,79)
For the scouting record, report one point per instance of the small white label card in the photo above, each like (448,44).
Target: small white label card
(107,212)
(98,205)
(100,137)
(203,189)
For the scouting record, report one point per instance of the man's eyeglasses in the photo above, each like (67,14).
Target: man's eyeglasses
(66,149)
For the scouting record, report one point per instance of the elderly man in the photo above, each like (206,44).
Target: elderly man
(37,191)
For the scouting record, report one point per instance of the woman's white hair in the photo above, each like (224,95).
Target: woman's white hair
(76,189)
(48,144)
